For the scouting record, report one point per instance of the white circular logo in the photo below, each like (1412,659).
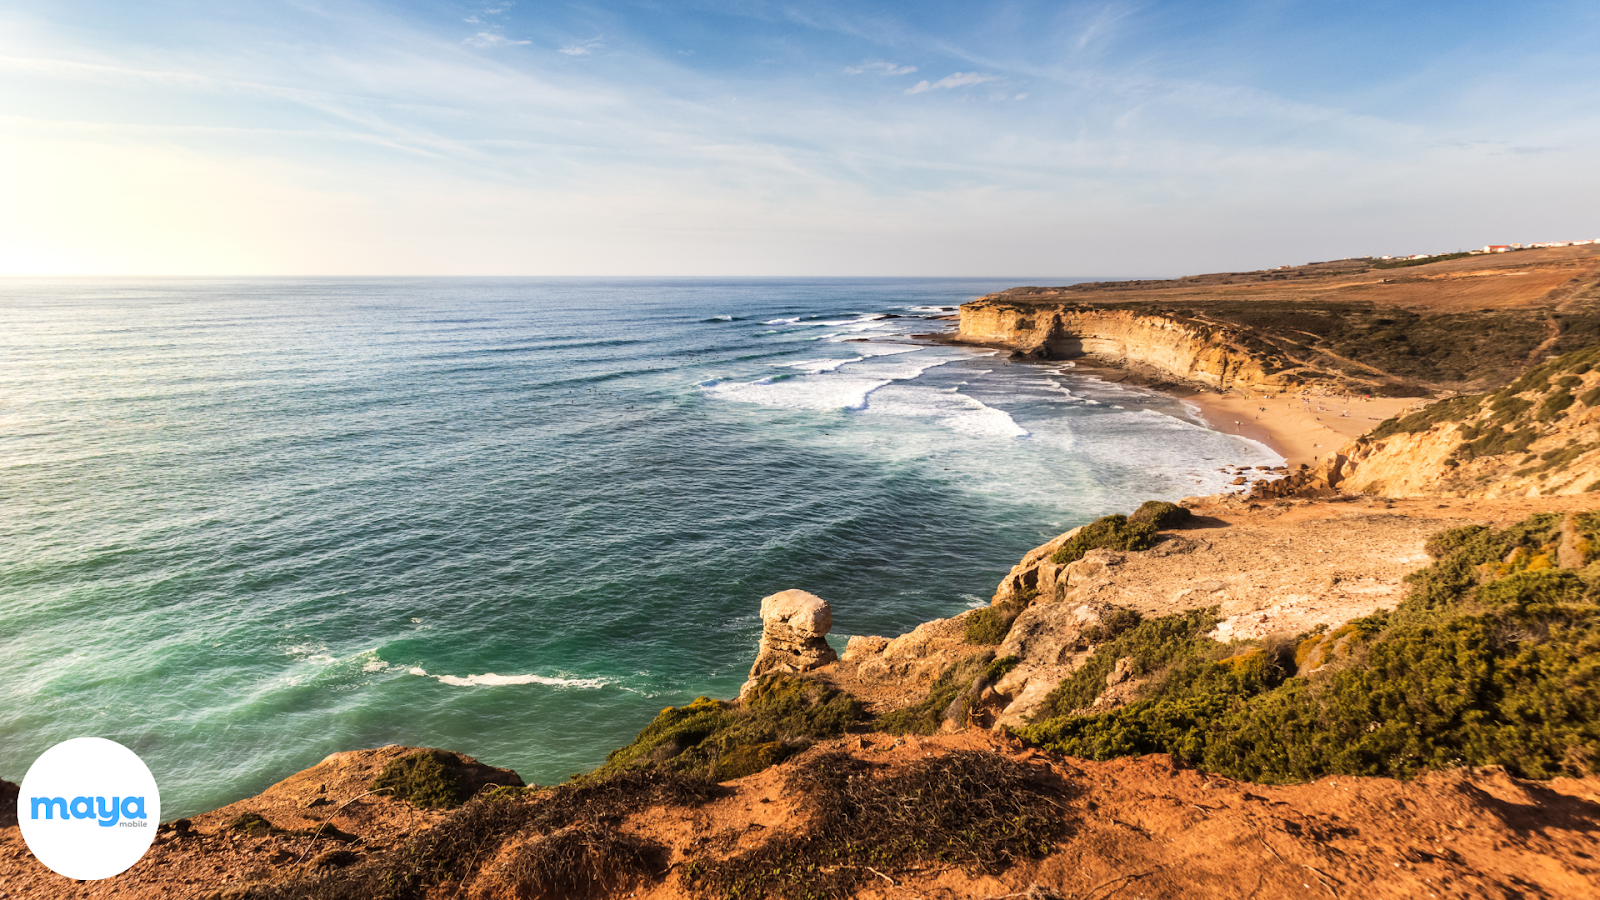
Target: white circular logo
(88,808)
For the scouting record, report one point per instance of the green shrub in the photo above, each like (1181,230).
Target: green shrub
(253,824)
(991,624)
(1453,410)
(1492,659)
(428,778)
(1555,405)
(950,696)
(1153,643)
(1113,532)
(1112,623)
(1160,515)
(1495,441)
(713,739)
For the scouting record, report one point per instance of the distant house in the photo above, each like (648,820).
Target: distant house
(1497,248)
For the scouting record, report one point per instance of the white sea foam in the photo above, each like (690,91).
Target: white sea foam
(846,385)
(827,391)
(818,366)
(781,321)
(950,409)
(490,679)
(876,349)
(312,653)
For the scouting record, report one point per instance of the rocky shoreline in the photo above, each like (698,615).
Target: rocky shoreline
(931,763)
(1289,566)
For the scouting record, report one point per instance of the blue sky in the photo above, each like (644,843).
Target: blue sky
(757,138)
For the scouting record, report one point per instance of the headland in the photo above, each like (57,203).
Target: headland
(1374,675)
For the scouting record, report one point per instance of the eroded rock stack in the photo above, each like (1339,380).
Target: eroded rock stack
(793,624)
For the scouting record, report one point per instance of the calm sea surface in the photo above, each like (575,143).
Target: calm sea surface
(247,524)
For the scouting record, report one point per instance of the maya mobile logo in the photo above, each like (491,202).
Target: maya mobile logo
(88,808)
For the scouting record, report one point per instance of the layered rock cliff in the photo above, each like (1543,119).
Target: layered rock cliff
(1535,437)
(1178,348)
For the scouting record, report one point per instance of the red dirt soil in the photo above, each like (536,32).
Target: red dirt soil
(1142,827)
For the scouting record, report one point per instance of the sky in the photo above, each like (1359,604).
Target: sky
(755,138)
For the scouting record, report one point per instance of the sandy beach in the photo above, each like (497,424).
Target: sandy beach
(1303,429)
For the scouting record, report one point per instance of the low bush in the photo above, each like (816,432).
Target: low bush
(1152,643)
(991,624)
(974,810)
(1160,515)
(1113,622)
(1113,532)
(719,740)
(1453,410)
(950,696)
(1492,659)
(571,848)
(428,778)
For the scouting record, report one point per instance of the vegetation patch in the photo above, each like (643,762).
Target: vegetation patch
(1113,622)
(581,861)
(975,810)
(428,778)
(719,740)
(1453,410)
(991,624)
(950,697)
(1492,659)
(571,847)
(1152,643)
(1161,515)
(1114,532)
(254,824)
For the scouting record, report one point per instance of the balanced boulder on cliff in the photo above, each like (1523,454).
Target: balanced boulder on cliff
(793,626)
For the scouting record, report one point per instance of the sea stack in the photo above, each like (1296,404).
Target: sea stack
(793,624)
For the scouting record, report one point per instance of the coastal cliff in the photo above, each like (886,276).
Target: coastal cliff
(932,763)
(1355,326)
(1323,684)
(1535,437)
(1176,348)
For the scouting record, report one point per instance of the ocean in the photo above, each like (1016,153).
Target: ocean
(246,524)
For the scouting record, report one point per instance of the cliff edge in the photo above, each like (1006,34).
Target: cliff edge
(1350,326)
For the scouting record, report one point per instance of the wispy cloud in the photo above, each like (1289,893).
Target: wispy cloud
(881,68)
(582,48)
(492,39)
(959,79)
(420,148)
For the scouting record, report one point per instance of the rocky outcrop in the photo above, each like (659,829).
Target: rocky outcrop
(1049,644)
(1035,576)
(888,673)
(793,626)
(1533,438)
(1181,349)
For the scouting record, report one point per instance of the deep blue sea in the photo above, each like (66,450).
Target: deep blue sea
(246,524)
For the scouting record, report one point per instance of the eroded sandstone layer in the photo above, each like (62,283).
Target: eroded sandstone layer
(1183,350)
(1349,326)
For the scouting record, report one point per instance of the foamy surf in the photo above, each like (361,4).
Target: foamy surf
(947,407)
(490,679)
(825,391)
(818,366)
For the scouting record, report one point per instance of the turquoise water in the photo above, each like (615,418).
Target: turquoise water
(247,524)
